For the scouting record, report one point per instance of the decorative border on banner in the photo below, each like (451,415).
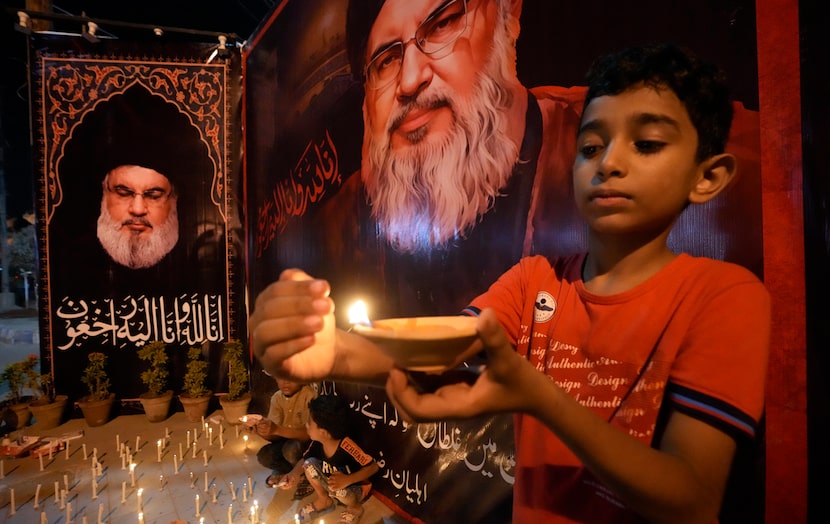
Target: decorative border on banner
(71,87)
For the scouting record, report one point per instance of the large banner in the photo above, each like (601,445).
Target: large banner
(423,229)
(139,228)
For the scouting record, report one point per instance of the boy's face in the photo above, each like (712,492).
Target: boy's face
(635,165)
(287,387)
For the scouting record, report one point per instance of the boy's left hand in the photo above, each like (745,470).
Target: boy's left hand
(501,387)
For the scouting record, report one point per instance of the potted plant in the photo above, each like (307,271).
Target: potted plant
(47,407)
(195,396)
(97,405)
(235,402)
(156,400)
(17,377)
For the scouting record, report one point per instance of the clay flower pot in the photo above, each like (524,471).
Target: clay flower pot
(49,415)
(235,409)
(97,412)
(195,407)
(156,408)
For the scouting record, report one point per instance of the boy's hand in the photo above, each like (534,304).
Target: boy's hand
(499,388)
(265,427)
(292,327)
(287,481)
(338,480)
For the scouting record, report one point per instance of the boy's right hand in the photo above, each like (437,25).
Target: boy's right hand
(292,327)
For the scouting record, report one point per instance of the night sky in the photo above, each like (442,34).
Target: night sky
(240,17)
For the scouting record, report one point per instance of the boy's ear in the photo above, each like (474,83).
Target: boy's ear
(716,173)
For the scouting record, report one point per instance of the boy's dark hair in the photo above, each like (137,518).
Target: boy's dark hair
(700,87)
(331,413)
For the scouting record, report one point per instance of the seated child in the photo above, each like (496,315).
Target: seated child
(285,428)
(334,464)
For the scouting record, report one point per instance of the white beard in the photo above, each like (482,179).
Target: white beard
(430,194)
(136,251)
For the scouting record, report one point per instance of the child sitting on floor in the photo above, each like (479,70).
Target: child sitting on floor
(334,464)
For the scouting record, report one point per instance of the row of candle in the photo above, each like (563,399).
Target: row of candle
(96,468)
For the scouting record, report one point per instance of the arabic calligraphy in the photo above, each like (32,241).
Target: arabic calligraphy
(315,174)
(186,319)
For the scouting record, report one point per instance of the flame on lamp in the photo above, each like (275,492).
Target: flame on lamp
(358,314)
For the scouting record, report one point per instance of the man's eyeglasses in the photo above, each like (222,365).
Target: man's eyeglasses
(151,197)
(435,34)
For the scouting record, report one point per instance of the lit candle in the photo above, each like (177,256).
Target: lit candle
(213,493)
(245,438)
(233,492)
(37,495)
(40,456)
(140,505)
(192,480)
(175,464)
(210,436)
(158,449)
(188,438)
(123,491)
(132,474)
(244,493)
(140,518)
(193,455)
(198,509)
(161,481)
(296,518)
(230,513)
(205,457)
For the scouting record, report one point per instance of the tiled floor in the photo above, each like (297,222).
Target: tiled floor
(168,496)
(214,478)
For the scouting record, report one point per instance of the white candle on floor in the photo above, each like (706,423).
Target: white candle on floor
(84,450)
(43,518)
(66,443)
(137,442)
(100,514)
(41,461)
(205,457)
(198,509)
(132,474)
(206,481)
(11,503)
(68,512)
(123,491)
(140,506)
(140,518)
(158,450)
(57,492)
(230,513)
(37,495)
(117,442)
(175,464)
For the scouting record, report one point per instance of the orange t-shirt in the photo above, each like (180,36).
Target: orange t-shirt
(696,335)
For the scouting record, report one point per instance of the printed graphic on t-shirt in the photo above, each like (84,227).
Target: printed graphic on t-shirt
(544,307)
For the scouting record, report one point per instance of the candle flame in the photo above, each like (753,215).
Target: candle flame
(358,314)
